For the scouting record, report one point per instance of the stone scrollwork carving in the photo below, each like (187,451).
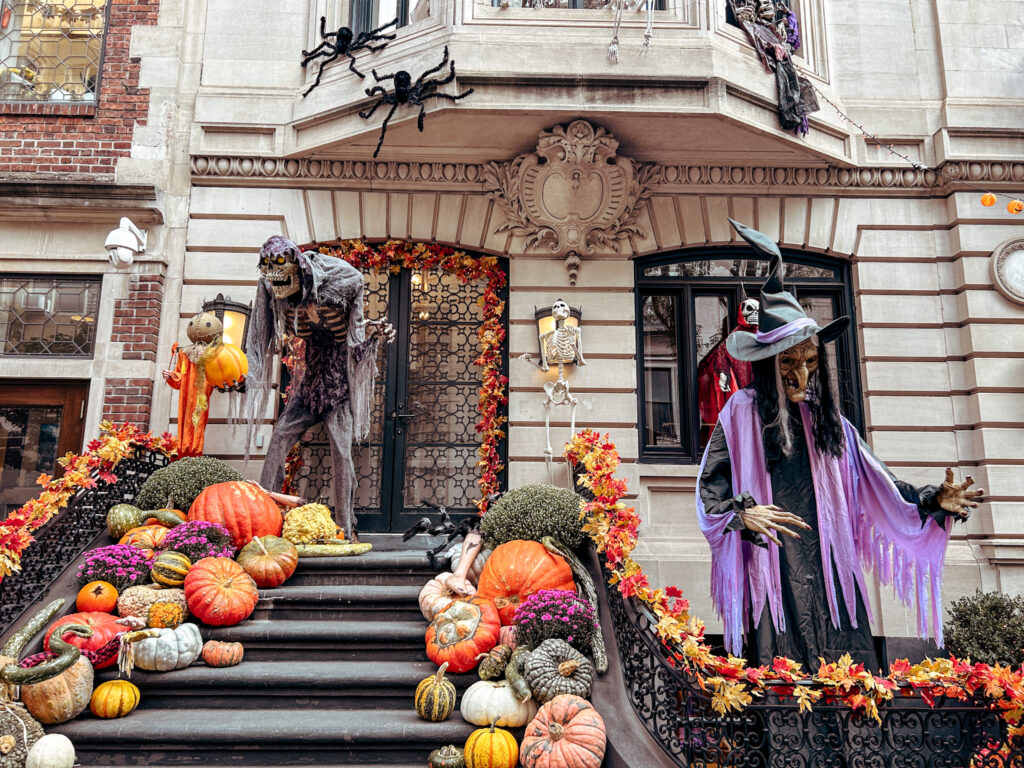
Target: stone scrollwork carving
(574,195)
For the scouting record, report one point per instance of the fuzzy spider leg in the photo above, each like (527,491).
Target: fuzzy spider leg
(320,72)
(367,114)
(384,129)
(352,64)
(324,42)
(432,70)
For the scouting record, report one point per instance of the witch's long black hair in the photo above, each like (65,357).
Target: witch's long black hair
(778,427)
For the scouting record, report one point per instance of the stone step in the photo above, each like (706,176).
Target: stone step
(234,737)
(287,685)
(297,641)
(409,567)
(339,602)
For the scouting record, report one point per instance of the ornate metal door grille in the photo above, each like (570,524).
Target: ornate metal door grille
(423,442)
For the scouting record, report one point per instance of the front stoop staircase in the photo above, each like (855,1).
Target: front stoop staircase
(332,659)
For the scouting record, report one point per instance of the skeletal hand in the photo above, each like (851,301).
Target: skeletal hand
(383,328)
(764,519)
(954,497)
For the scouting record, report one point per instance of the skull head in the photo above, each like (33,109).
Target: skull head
(204,327)
(560,310)
(748,311)
(279,263)
(796,365)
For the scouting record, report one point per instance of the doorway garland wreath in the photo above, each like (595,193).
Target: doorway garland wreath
(732,684)
(395,255)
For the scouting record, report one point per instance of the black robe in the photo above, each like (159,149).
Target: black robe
(809,633)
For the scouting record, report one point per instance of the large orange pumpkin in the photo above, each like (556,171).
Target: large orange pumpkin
(566,733)
(146,537)
(219,592)
(461,632)
(518,569)
(228,367)
(104,628)
(245,509)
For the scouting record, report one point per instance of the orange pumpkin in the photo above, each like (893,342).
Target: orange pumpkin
(1015,206)
(270,561)
(228,367)
(217,653)
(566,733)
(219,592)
(518,569)
(104,628)
(100,596)
(245,509)
(465,629)
(148,538)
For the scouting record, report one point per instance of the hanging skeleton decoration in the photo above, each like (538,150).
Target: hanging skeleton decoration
(563,346)
(774,32)
(319,299)
(630,5)
(408,92)
(344,42)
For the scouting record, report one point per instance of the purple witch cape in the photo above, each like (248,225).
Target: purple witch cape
(863,523)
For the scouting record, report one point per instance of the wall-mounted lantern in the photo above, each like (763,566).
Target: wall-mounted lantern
(234,315)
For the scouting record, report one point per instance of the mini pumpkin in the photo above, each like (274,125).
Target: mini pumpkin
(217,653)
(114,698)
(448,756)
(98,596)
(566,733)
(435,596)
(270,560)
(493,701)
(493,664)
(170,569)
(491,748)
(165,615)
(461,632)
(435,696)
(555,667)
(219,592)
(169,649)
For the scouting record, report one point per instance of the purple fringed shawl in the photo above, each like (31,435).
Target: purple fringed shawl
(861,517)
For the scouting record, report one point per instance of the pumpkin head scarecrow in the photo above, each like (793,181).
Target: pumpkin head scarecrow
(782,459)
(318,299)
(188,376)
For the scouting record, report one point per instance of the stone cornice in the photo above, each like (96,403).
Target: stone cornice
(210,170)
(78,202)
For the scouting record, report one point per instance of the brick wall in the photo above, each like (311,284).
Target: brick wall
(128,400)
(137,318)
(75,140)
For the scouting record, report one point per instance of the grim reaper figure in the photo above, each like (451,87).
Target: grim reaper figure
(319,299)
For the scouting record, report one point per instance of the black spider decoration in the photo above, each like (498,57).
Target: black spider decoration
(344,43)
(409,92)
(447,528)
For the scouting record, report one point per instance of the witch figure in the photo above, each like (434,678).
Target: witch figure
(795,505)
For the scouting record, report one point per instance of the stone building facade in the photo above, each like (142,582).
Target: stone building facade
(651,155)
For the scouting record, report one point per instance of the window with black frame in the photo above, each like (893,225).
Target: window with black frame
(686,308)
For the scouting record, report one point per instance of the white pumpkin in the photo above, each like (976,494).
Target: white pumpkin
(54,750)
(455,553)
(435,595)
(170,649)
(489,699)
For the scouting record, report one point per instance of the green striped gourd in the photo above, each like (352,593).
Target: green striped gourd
(435,696)
(170,569)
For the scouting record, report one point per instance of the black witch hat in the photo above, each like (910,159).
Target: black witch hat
(782,322)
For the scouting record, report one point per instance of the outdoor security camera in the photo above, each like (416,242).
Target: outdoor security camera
(124,243)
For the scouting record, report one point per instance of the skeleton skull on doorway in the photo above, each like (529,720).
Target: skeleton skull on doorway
(279,264)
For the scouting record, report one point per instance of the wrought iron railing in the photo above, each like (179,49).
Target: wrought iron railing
(58,543)
(773,733)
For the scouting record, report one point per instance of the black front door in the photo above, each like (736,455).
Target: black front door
(423,442)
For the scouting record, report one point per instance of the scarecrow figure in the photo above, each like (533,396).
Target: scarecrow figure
(781,460)
(319,299)
(188,376)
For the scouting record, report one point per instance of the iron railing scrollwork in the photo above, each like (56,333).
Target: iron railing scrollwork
(771,732)
(59,543)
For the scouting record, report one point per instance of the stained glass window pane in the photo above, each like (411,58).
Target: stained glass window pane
(48,317)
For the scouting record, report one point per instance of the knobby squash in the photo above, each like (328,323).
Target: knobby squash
(461,632)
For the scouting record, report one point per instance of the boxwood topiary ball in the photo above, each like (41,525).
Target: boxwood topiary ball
(182,480)
(533,512)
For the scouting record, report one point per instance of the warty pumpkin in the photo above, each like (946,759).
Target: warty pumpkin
(169,649)
(114,698)
(219,592)
(461,632)
(245,509)
(217,653)
(518,569)
(434,596)
(492,664)
(435,696)
(566,733)
(137,600)
(97,596)
(104,628)
(555,667)
(493,701)
(491,748)
(164,616)
(66,695)
(170,569)
(270,560)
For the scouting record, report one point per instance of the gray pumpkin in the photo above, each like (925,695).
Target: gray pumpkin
(554,668)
